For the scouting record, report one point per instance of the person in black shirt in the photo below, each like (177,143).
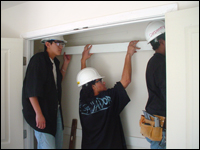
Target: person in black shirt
(41,94)
(99,107)
(156,77)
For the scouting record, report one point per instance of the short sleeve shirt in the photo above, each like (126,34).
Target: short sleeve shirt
(100,120)
(39,82)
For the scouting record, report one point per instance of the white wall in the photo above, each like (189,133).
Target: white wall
(35,15)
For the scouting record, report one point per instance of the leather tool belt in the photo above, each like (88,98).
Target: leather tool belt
(152,126)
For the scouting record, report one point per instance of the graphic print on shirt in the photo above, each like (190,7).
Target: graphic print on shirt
(95,106)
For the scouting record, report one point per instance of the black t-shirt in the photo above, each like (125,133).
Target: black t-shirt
(156,85)
(100,120)
(39,81)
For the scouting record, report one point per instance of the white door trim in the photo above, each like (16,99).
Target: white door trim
(147,14)
(28,53)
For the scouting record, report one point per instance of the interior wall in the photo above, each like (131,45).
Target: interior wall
(111,66)
(35,15)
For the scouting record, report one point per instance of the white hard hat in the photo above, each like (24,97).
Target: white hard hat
(86,75)
(59,38)
(154,29)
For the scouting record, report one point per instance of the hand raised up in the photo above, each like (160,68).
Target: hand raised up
(86,55)
(132,47)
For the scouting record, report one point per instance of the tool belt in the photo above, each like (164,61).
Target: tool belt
(152,127)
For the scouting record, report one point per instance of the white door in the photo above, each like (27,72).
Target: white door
(11,93)
(182,53)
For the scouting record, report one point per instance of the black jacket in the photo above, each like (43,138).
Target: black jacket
(39,81)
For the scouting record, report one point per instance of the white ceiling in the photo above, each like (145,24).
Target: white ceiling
(8,4)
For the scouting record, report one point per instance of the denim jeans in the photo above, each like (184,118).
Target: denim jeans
(48,141)
(158,144)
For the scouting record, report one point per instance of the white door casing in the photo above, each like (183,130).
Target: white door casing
(147,14)
(182,55)
(11,91)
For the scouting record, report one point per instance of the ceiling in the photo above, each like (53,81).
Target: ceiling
(8,4)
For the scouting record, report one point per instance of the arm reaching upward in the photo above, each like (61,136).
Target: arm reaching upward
(127,71)
(85,55)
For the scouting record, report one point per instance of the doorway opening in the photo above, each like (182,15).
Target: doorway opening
(111,34)
(109,64)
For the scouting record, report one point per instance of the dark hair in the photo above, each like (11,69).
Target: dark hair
(87,91)
(50,41)
(155,42)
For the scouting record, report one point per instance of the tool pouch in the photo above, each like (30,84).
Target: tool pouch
(149,130)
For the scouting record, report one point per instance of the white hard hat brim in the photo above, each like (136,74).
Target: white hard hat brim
(59,38)
(45,40)
(90,81)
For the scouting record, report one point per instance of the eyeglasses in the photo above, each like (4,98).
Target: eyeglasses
(100,80)
(60,43)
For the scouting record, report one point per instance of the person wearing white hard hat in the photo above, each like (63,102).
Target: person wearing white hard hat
(41,94)
(99,107)
(156,86)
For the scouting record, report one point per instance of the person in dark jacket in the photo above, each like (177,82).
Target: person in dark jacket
(99,107)
(41,94)
(156,77)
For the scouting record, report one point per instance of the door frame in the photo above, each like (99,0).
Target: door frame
(149,14)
